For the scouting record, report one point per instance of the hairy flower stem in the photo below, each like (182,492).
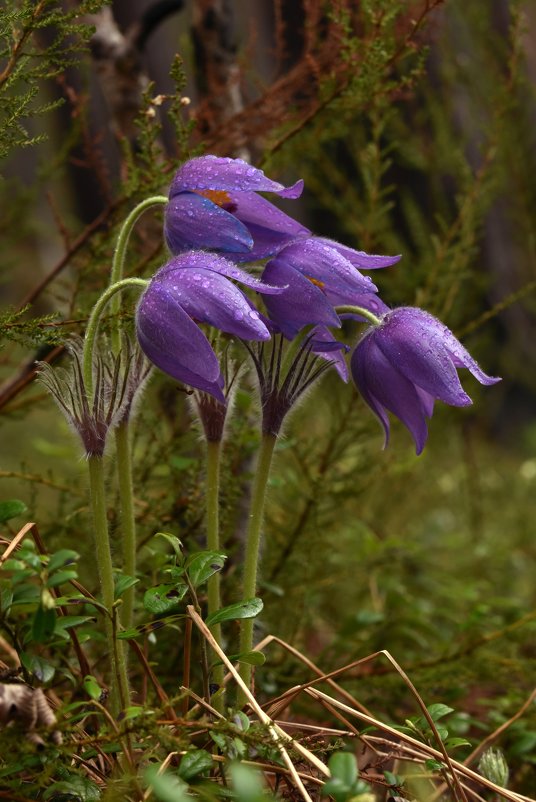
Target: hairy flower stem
(358,310)
(124,469)
(213,544)
(118,262)
(122,433)
(253,541)
(93,325)
(128,521)
(120,693)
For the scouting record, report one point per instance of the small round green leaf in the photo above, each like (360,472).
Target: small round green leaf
(92,687)
(11,509)
(164,598)
(195,763)
(203,564)
(246,609)
(343,766)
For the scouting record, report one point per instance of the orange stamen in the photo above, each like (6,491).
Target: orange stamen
(218,196)
(316,282)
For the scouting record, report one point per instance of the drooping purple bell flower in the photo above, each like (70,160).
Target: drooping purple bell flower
(318,274)
(213,205)
(407,362)
(192,288)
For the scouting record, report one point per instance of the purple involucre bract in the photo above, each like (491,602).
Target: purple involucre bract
(407,362)
(213,205)
(192,288)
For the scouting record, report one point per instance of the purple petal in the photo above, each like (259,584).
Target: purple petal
(221,173)
(427,401)
(171,340)
(192,221)
(201,260)
(318,261)
(327,347)
(367,261)
(211,298)
(420,354)
(213,388)
(381,383)
(359,375)
(270,227)
(460,355)
(301,303)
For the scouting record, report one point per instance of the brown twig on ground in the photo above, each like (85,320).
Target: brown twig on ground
(458,768)
(280,737)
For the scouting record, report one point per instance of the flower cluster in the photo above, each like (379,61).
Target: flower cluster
(214,220)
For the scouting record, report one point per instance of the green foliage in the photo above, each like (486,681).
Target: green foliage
(30,333)
(38,41)
(11,509)
(344,783)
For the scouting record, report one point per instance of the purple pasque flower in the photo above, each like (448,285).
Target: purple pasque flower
(317,275)
(407,362)
(213,205)
(193,288)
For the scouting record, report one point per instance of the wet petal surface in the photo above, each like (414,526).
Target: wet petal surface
(383,386)
(171,339)
(222,173)
(210,298)
(301,304)
(317,260)
(360,259)
(420,355)
(192,221)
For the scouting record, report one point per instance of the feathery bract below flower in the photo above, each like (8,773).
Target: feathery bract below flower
(192,288)
(213,205)
(407,362)
(112,394)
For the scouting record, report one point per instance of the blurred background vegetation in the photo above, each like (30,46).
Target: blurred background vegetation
(413,126)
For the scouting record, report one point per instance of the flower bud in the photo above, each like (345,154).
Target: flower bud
(493,767)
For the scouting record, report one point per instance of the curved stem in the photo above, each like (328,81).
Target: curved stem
(253,541)
(119,257)
(213,544)
(358,310)
(128,522)
(120,694)
(93,324)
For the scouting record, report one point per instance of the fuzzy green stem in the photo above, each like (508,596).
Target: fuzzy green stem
(213,544)
(253,541)
(120,694)
(119,259)
(93,325)
(122,433)
(128,522)
(358,310)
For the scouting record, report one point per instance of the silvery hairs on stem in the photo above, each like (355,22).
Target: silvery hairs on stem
(117,380)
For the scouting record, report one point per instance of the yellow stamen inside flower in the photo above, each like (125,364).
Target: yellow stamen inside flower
(218,196)
(316,282)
